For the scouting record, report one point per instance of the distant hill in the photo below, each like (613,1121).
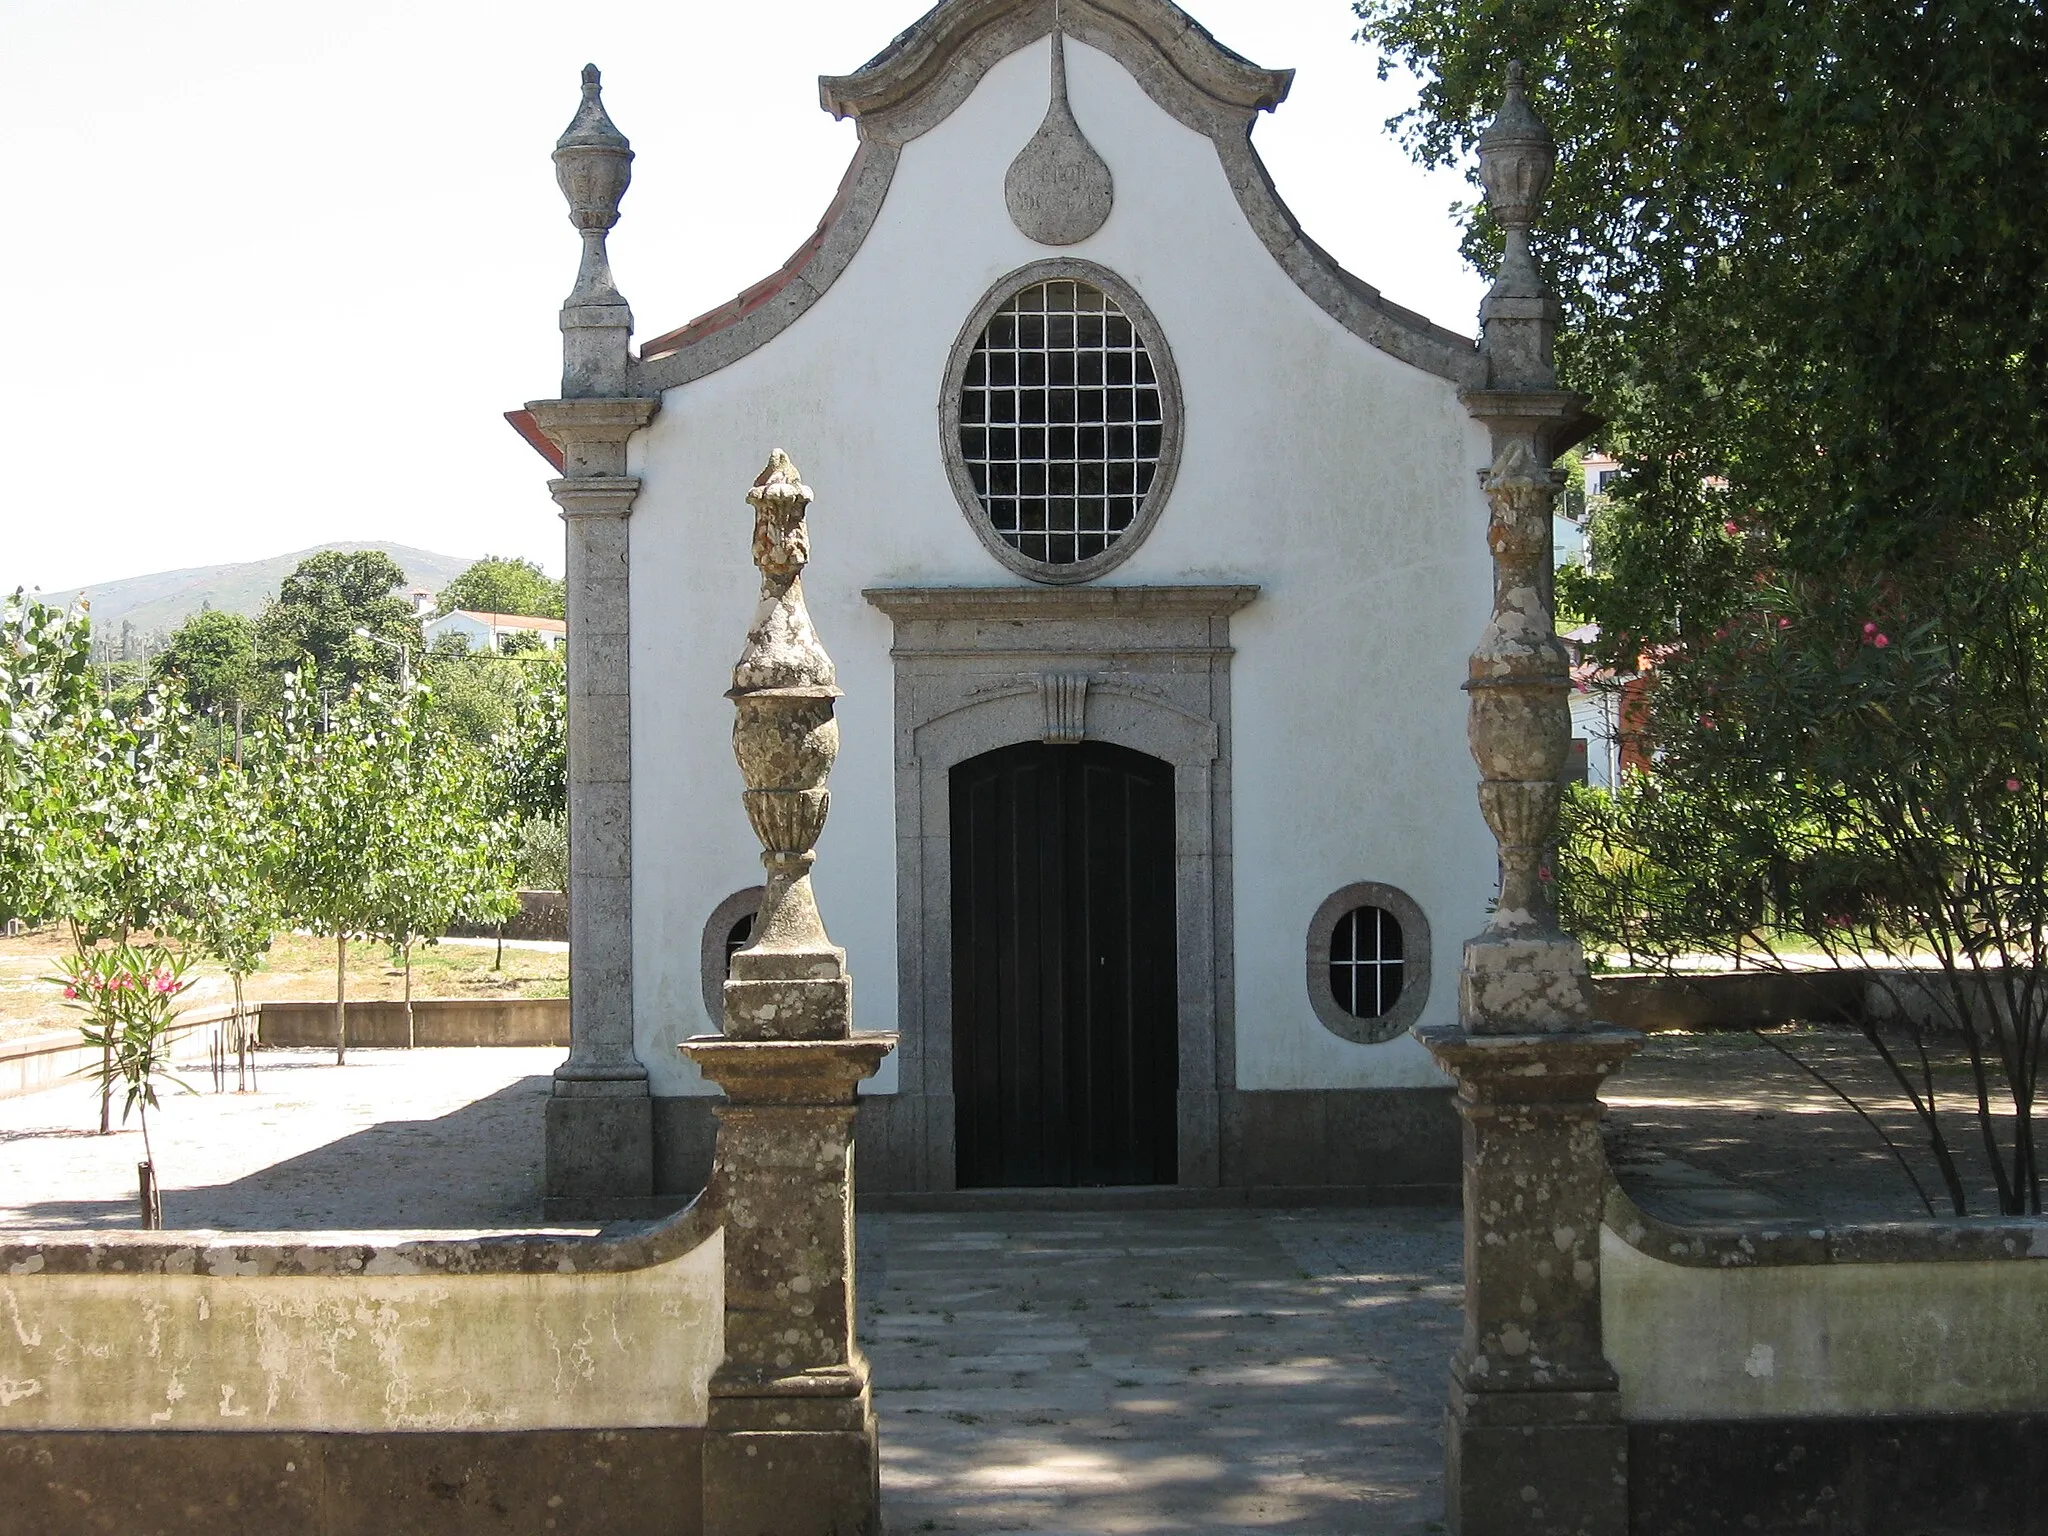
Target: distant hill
(166,599)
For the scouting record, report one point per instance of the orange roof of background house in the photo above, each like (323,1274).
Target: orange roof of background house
(511,620)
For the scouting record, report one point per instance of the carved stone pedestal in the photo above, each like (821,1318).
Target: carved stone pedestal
(1534,1437)
(789,1447)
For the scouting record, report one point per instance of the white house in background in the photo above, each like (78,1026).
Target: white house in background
(487,631)
(1150,548)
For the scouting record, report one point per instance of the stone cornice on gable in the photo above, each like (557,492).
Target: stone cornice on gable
(914,83)
(927,71)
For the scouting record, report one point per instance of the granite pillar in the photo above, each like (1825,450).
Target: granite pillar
(600,1141)
(789,1446)
(1534,1440)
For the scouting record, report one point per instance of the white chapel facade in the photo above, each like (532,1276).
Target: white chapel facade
(1149,546)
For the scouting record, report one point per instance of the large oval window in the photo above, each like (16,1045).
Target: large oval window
(1063,421)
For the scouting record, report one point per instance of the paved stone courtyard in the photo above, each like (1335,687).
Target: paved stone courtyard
(1157,1371)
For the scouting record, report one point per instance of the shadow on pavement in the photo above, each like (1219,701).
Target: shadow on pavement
(478,1166)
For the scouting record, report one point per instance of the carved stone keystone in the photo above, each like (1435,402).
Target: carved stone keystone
(790,1444)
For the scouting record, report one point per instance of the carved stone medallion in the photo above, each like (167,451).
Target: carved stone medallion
(1058,188)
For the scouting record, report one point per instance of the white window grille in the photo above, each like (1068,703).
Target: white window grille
(1061,421)
(1366,962)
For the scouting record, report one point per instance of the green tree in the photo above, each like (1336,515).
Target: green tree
(321,606)
(130,997)
(475,696)
(339,785)
(48,701)
(1801,259)
(1800,252)
(445,857)
(213,655)
(230,847)
(92,800)
(529,757)
(496,584)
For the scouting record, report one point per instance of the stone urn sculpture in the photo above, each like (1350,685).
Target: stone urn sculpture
(790,1433)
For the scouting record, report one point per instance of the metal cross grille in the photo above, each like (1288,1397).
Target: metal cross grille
(1365,962)
(1060,422)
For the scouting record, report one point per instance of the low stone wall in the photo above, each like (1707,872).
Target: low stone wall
(378,1373)
(541,915)
(1786,1379)
(1727,999)
(48,1061)
(436,1021)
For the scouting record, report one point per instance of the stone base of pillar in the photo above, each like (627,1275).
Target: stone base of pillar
(1511,985)
(1537,1464)
(765,1476)
(600,1158)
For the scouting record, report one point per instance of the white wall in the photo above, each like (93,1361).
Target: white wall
(1338,479)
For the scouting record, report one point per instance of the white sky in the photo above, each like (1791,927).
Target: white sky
(273,270)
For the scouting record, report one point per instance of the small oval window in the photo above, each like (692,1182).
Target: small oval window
(1366,962)
(726,932)
(736,939)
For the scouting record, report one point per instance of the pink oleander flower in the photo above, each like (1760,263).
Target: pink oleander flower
(1880,641)
(1730,528)
(73,991)
(1543,873)
(1707,722)
(1784,623)
(2012,785)
(1870,629)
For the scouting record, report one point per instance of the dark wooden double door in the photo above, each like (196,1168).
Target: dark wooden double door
(1065,1004)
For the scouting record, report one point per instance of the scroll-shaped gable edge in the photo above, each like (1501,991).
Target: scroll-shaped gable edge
(917,81)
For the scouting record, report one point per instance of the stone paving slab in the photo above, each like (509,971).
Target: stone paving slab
(1720,1126)
(1162,1371)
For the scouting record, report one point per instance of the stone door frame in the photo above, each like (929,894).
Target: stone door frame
(978,668)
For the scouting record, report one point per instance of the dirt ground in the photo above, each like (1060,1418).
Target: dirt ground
(297,967)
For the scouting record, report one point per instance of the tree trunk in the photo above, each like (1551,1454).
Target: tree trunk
(152,1197)
(145,1172)
(245,1066)
(408,994)
(106,1081)
(106,1050)
(340,999)
(499,963)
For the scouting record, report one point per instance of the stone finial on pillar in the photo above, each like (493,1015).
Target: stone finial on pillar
(785,739)
(1534,1440)
(1519,315)
(790,1433)
(594,166)
(1521,973)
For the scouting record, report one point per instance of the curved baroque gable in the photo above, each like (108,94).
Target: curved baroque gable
(934,65)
